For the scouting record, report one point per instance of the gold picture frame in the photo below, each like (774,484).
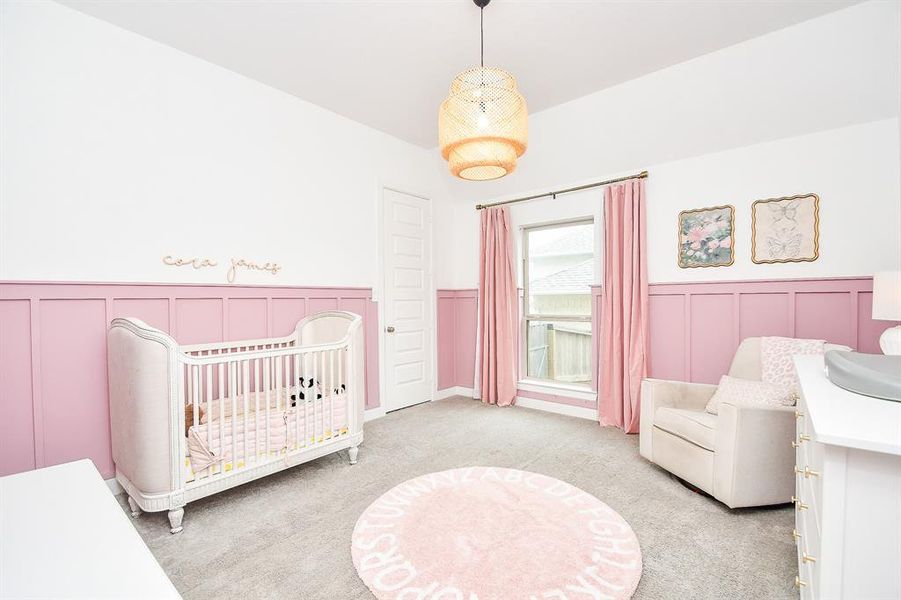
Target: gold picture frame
(706,237)
(785,229)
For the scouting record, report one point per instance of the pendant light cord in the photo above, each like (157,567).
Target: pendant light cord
(482,34)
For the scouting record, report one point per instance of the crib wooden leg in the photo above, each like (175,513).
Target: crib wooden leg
(175,517)
(353,451)
(135,509)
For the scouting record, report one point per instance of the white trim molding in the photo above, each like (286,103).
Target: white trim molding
(576,392)
(560,409)
(374,413)
(455,391)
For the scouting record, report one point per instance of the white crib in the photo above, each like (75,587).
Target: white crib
(190,421)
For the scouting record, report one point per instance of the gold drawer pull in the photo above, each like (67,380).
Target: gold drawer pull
(804,437)
(795,444)
(798,504)
(799,583)
(807,558)
(796,535)
(799,414)
(807,472)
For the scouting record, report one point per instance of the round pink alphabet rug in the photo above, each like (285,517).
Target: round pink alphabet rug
(487,533)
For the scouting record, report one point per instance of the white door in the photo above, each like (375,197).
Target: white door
(407,299)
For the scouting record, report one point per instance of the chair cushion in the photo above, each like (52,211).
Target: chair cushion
(695,426)
(744,392)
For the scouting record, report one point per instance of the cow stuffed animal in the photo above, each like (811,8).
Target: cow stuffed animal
(307,387)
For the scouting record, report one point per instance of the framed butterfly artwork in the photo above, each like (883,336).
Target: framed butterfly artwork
(706,237)
(785,229)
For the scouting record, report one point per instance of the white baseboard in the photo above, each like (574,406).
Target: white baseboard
(560,409)
(373,413)
(454,391)
(114,486)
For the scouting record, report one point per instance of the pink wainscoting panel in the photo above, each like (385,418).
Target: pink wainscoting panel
(837,310)
(153,311)
(666,316)
(53,383)
(199,320)
(247,318)
(466,317)
(16,405)
(457,325)
(764,315)
(826,315)
(447,346)
(286,312)
(696,327)
(868,330)
(75,415)
(319,304)
(371,325)
(710,352)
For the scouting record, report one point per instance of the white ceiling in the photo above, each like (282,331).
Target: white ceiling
(387,64)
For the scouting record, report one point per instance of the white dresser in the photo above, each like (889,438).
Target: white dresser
(848,498)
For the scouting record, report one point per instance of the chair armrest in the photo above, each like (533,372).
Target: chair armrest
(754,460)
(677,394)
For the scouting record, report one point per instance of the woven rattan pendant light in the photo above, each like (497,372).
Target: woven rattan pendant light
(482,124)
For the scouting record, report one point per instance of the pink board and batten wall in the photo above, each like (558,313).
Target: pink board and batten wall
(54,406)
(457,324)
(696,327)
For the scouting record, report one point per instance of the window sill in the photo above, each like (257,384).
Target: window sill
(579,392)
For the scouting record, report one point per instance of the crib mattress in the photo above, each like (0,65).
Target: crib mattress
(233,441)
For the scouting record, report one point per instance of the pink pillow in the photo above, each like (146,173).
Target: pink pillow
(745,392)
(776,362)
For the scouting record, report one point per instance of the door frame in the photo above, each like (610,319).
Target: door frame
(380,294)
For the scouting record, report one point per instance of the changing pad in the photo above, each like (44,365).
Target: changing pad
(873,375)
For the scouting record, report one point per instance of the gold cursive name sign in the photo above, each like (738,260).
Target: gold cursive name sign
(197,263)
(241,263)
(236,265)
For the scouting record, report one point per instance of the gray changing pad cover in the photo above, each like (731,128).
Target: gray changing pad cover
(873,375)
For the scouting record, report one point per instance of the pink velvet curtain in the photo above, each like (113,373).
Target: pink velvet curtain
(624,315)
(498,299)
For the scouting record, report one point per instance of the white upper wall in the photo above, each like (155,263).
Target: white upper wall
(854,171)
(811,108)
(117,150)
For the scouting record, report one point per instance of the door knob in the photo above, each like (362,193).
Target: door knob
(389,329)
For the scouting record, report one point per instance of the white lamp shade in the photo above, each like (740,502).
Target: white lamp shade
(887,296)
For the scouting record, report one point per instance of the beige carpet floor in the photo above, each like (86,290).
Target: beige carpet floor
(288,535)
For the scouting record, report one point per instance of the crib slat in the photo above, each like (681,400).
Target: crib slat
(299,372)
(267,384)
(334,386)
(196,395)
(209,405)
(232,391)
(222,391)
(321,401)
(342,357)
(256,413)
(245,386)
(306,414)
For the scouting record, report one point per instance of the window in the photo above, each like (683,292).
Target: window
(558,269)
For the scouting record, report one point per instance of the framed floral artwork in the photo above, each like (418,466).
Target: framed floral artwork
(785,229)
(705,237)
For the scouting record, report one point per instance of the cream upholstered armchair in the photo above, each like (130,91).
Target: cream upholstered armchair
(741,456)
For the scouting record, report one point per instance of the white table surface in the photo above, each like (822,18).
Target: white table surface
(64,535)
(843,418)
